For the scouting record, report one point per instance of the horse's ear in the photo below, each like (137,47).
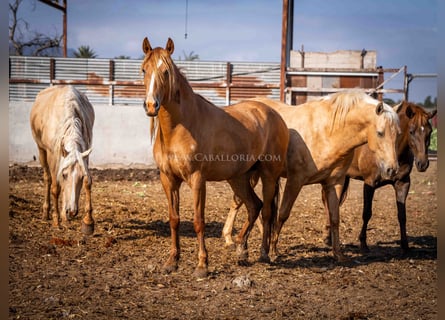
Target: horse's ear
(63,150)
(432,113)
(146,47)
(170,46)
(86,153)
(409,112)
(398,107)
(379,108)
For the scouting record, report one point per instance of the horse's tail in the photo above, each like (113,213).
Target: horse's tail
(344,190)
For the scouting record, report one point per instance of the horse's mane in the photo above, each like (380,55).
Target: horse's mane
(74,134)
(344,101)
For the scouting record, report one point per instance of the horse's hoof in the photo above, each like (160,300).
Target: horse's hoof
(327,241)
(340,257)
(244,263)
(264,259)
(242,253)
(364,248)
(169,268)
(87,229)
(200,272)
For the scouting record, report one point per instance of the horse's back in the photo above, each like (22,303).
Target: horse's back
(51,106)
(262,119)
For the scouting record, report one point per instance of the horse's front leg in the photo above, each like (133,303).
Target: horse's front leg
(55,192)
(47,183)
(368,195)
(87,224)
(327,237)
(402,188)
(198,185)
(171,187)
(332,194)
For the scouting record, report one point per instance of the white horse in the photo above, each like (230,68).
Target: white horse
(62,121)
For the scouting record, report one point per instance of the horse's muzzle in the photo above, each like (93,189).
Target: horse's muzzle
(422,165)
(152,109)
(389,172)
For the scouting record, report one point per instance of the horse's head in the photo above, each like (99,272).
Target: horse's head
(382,136)
(73,169)
(159,77)
(419,132)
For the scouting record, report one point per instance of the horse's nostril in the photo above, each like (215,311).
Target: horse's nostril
(390,172)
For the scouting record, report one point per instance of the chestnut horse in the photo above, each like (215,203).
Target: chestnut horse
(412,148)
(323,136)
(196,141)
(62,121)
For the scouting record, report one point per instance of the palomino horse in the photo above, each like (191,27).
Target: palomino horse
(412,147)
(197,142)
(323,136)
(62,121)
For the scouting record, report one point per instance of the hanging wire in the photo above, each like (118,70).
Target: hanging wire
(186,17)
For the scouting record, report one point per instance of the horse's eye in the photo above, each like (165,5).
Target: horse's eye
(64,176)
(380,134)
(412,131)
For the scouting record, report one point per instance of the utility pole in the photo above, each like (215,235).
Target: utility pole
(286,42)
(63,8)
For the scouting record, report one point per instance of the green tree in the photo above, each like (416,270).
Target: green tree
(428,103)
(189,57)
(122,57)
(85,52)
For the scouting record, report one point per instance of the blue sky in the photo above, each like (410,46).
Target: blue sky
(403,32)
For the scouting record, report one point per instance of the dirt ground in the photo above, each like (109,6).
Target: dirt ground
(116,273)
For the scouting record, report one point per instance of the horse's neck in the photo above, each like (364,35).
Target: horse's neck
(402,139)
(353,133)
(177,112)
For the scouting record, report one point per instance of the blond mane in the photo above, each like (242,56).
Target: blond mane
(74,135)
(344,101)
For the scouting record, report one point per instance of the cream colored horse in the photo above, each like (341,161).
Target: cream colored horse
(323,136)
(62,121)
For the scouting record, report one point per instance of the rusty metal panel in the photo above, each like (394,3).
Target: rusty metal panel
(29,67)
(119,81)
(252,80)
(82,69)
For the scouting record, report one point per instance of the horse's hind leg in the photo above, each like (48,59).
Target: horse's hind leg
(87,224)
(47,183)
(228,225)
(270,190)
(242,188)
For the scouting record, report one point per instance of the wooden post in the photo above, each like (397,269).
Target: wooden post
(55,4)
(284,27)
(228,81)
